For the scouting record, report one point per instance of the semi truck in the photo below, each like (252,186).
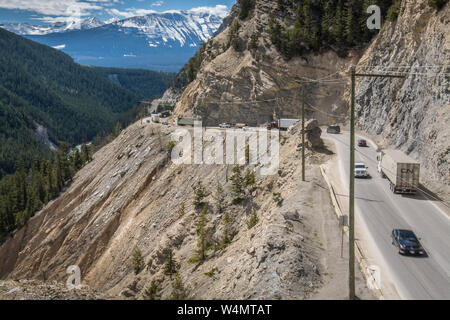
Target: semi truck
(401,171)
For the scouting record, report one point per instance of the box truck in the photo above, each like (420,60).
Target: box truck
(401,171)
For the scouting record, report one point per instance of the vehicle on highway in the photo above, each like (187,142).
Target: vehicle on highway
(401,171)
(284,124)
(361,170)
(272,125)
(406,242)
(240,125)
(334,128)
(245,128)
(224,125)
(165,123)
(362,143)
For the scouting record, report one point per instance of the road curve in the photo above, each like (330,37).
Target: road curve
(381,211)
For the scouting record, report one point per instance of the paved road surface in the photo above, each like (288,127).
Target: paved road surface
(382,211)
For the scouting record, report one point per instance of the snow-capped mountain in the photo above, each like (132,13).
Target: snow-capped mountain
(184,27)
(159,41)
(25,28)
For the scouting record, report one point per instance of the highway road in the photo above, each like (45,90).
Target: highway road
(381,211)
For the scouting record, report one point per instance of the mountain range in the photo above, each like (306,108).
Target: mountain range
(158,41)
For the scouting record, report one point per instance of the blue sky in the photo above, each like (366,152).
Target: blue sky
(49,11)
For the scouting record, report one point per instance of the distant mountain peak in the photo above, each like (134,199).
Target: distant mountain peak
(24,28)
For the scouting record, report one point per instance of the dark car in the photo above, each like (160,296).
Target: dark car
(362,143)
(334,128)
(406,242)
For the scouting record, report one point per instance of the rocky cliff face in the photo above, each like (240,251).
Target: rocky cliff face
(412,114)
(252,82)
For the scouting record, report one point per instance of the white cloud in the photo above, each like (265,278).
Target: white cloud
(54,7)
(157,3)
(130,12)
(219,10)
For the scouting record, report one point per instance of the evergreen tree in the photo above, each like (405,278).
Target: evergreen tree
(219,198)
(253,220)
(85,154)
(339,29)
(227,223)
(237,185)
(204,237)
(19,191)
(249,179)
(199,194)
(179,290)
(170,266)
(153,292)
(245,7)
(352,19)
(137,261)
(77,161)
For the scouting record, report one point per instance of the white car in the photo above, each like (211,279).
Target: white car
(361,170)
(245,128)
(224,125)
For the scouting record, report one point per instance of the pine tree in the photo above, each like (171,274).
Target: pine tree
(19,191)
(137,261)
(237,185)
(85,154)
(253,220)
(153,292)
(179,290)
(249,179)
(227,223)
(219,198)
(204,237)
(171,265)
(339,30)
(327,23)
(199,194)
(245,7)
(352,19)
(77,161)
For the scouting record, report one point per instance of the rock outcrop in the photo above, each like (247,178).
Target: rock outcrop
(312,133)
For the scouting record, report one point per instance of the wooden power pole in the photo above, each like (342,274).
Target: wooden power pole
(351,217)
(303,133)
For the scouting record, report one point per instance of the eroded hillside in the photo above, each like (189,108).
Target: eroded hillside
(130,197)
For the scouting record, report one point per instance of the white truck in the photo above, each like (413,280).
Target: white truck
(155,117)
(284,124)
(401,170)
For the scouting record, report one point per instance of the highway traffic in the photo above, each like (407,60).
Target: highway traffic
(379,211)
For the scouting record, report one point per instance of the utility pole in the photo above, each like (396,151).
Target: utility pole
(303,133)
(351,216)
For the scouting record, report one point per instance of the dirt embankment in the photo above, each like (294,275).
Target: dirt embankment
(130,197)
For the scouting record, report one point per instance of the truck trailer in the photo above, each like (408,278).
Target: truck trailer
(401,170)
(284,124)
